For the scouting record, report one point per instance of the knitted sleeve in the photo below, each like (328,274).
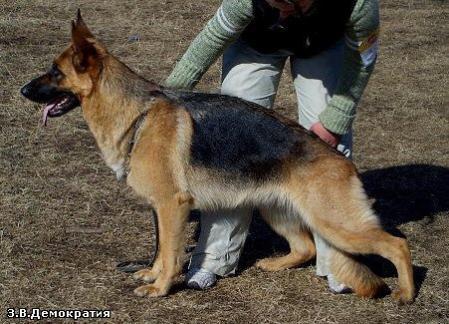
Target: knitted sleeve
(227,24)
(359,60)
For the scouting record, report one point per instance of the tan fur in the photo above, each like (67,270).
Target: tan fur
(302,247)
(334,205)
(355,274)
(322,195)
(154,176)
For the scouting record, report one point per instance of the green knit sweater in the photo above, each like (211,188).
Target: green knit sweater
(234,15)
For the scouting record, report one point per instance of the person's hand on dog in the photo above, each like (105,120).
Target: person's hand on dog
(327,136)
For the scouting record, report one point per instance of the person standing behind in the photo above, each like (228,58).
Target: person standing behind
(332,47)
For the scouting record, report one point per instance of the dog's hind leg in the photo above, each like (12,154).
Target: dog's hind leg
(172,217)
(333,203)
(373,241)
(302,248)
(343,266)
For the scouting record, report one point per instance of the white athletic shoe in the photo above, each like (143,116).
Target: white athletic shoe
(335,286)
(200,279)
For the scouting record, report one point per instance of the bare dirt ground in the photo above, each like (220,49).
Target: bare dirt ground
(65,222)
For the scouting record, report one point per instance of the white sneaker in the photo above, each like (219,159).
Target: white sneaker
(200,279)
(335,286)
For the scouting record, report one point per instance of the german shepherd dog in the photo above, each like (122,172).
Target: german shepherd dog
(184,150)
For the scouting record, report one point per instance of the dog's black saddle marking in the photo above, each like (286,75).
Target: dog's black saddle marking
(237,136)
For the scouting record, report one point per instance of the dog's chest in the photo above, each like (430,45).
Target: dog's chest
(119,170)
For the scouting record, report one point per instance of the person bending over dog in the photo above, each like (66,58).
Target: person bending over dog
(332,47)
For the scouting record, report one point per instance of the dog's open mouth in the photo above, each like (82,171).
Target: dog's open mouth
(59,106)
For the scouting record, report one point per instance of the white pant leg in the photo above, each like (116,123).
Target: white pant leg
(315,80)
(222,236)
(252,76)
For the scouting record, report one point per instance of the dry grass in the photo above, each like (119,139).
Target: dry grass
(53,184)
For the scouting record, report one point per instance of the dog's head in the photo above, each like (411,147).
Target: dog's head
(72,75)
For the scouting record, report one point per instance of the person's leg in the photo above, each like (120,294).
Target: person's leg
(315,80)
(255,77)
(221,240)
(250,75)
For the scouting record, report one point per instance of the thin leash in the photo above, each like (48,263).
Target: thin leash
(136,265)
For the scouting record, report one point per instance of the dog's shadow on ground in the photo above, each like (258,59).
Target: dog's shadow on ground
(408,193)
(402,194)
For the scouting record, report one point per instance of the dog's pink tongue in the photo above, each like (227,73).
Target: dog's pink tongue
(47,108)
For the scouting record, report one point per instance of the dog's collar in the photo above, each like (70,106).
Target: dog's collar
(136,127)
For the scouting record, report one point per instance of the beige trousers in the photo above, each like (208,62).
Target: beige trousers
(255,77)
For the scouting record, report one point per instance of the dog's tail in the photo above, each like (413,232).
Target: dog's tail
(356,275)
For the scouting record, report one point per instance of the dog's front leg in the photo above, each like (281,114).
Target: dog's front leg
(172,218)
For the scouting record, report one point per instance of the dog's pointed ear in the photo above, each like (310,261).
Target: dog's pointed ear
(88,52)
(79,27)
(79,19)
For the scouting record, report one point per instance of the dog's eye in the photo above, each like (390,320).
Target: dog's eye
(55,72)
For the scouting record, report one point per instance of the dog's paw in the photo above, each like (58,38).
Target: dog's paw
(403,296)
(270,264)
(150,291)
(147,275)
